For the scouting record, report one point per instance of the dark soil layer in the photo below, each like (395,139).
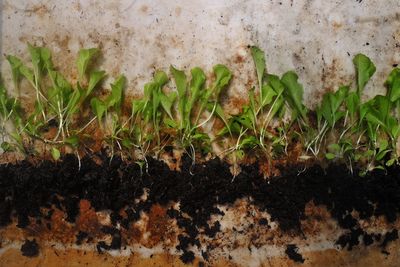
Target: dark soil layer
(25,188)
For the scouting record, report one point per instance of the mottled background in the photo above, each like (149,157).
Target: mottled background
(316,38)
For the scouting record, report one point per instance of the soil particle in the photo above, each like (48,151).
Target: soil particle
(187,257)
(389,237)
(292,252)
(118,186)
(80,237)
(30,248)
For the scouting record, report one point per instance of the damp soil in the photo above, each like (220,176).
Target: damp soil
(27,189)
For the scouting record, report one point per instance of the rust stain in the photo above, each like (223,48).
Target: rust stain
(144,8)
(239,59)
(87,220)
(159,226)
(41,10)
(337,25)
(178,11)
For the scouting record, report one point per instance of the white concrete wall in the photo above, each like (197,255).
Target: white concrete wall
(317,38)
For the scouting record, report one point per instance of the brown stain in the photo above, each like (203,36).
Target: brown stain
(239,59)
(159,226)
(337,25)
(236,104)
(144,9)
(133,234)
(50,256)
(61,230)
(178,11)
(40,10)
(317,220)
(87,220)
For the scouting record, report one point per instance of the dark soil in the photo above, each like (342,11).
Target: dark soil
(25,188)
(292,252)
(30,248)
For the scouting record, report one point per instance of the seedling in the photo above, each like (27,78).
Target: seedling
(188,121)
(346,128)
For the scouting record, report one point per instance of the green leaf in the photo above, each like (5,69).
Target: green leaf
(6,146)
(85,56)
(196,84)
(259,60)
(73,102)
(390,162)
(222,77)
(180,81)
(330,156)
(267,95)
(45,56)
(383,144)
(334,148)
(249,142)
(393,84)
(181,86)
(28,74)
(160,78)
(127,143)
(167,102)
(365,69)
(170,123)
(221,114)
(72,141)
(352,103)
(137,106)
(275,83)
(99,108)
(115,99)
(55,153)
(15,64)
(94,79)
(36,58)
(294,94)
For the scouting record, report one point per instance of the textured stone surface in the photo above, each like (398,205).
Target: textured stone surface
(316,38)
